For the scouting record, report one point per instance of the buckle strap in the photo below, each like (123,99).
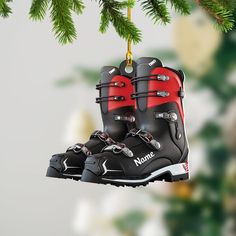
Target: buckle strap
(146,137)
(151,93)
(159,77)
(103,136)
(117,84)
(170,116)
(110,98)
(119,148)
(130,118)
(80,148)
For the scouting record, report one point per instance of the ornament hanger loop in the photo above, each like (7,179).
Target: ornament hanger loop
(129,56)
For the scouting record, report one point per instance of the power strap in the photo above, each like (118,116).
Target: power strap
(110,98)
(155,77)
(158,77)
(151,93)
(117,84)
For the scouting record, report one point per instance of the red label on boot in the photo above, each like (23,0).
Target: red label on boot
(186,167)
(125,91)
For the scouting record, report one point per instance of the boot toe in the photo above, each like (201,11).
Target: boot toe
(100,166)
(66,165)
(57,160)
(55,167)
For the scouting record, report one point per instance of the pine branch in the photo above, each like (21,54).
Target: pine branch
(77,6)
(105,14)
(105,21)
(181,6)
(126,29)
(157,10)
(220,14)
(63,25)
(229,4)
(61,10)
(38,9)
(111,13)
(5,10)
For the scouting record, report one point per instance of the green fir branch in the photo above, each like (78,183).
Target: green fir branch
(126,29)
(180,6)
(38,9)
(5,10)
(61,16)
(221,15)
(157,10)
(63,25)
(111,13)
(229,4)
(105,21)
(77,6)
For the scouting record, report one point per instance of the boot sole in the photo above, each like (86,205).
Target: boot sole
(53,173)
(172,173)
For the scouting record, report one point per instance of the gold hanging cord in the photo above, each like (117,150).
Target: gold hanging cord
(129,56)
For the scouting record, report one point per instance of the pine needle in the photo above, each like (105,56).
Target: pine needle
(157,10)
(111,13)
(180,6)
(77,6)
(5,10)
(222,16)
(63,25)
(38,9)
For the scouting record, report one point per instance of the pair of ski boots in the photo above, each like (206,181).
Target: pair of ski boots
(144,138)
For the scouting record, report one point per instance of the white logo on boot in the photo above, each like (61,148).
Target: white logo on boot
(139,161)
(112,71)
(152,62)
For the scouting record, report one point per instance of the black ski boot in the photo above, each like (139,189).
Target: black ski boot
(157,149)
(117,109)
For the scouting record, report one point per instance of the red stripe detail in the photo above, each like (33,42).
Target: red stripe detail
(125,91)
(172,86)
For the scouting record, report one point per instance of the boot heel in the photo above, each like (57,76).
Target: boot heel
(176,178)
(177,172)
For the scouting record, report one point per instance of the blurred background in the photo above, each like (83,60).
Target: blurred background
(47,103)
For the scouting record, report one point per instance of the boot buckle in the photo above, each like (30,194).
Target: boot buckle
(163,93)
(155,144)
(78,148)
(163,77)
(170,116)
(104,137)
(146,137)
(130,119)
(119,84)
(119,148)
